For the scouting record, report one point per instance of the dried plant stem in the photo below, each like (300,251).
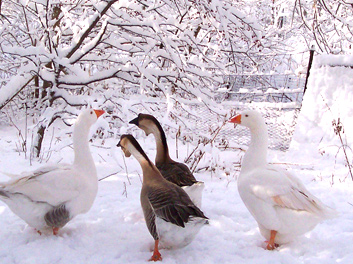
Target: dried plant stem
(198,159)
(140,177)
(127,173)
(125,190)
(112,174)
(22,140)
(345,155)
(101,157)
(338,129)
(50,144)
(176,142)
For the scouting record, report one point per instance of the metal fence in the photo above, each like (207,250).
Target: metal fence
(278,97)
(280,122)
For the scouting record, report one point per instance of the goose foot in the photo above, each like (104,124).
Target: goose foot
(271,245)
(156,255)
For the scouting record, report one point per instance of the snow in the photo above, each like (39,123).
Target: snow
(329,97)
(13,87)
(114,231)
(336,60)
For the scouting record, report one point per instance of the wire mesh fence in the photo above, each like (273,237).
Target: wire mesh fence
(278,97)
(276,88)
(280,122)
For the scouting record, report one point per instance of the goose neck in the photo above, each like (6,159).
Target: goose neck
(148,168)
(162,154)
(256,155)
(83,156)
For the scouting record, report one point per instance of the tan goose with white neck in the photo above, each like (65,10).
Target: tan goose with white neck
(171,217)
(171,170)
(48,198)
(279,202)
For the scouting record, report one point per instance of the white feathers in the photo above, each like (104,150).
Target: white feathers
(32,195)
(276,199)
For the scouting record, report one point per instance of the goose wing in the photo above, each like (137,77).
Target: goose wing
(173,205)
(177,173)
(280,188)
(53,185)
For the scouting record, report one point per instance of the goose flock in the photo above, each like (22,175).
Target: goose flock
(171,197)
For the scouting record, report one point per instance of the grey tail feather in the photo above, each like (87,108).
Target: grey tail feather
(3,193)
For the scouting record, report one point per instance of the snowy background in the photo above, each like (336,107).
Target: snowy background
(114,231)
(192,64)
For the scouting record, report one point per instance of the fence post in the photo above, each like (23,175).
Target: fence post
(312,50)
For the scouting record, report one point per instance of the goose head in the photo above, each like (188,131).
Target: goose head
(248,118)
(147,123)
(256,155)
(89,116)
(129,145)
(124,144)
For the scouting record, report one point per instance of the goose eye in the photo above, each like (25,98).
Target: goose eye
(91,113)
(246,115)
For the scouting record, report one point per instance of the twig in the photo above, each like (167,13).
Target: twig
(23,144)
(338,129)
(194,165)
(127,173)
(26,124)
(231,148)
(102,157)
(3,104)
(51,141)
(139,177)
(114,173)
(31,153)
(176,142)
(192,152)
(125,190)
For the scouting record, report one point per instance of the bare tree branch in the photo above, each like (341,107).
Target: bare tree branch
(90,28)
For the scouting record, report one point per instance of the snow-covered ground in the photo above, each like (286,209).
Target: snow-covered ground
(114,231)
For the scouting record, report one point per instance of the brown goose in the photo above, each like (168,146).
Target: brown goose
(171,170)
(171,217)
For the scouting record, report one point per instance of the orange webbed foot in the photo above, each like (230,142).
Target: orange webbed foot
(271,245)
(156,257)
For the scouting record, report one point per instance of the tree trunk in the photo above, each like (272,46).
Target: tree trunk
(37,144)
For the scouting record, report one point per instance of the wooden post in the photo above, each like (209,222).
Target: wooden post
(312,50)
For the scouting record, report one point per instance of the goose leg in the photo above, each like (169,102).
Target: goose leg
(271,245)
(156,255)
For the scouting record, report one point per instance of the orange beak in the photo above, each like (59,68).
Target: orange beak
(99,112)
(236,119)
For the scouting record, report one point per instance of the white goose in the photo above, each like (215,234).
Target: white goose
(48,198)
(279,202)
